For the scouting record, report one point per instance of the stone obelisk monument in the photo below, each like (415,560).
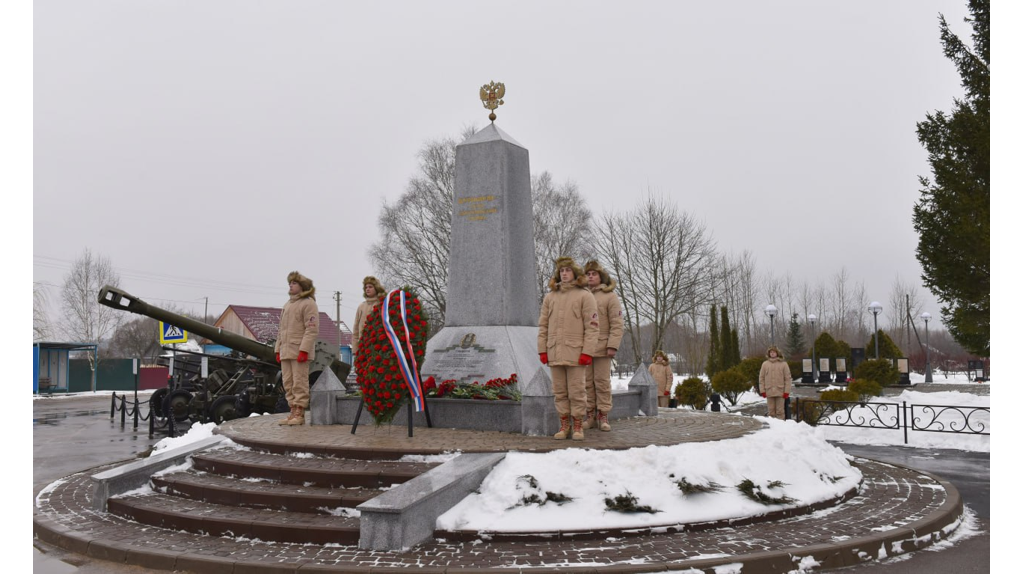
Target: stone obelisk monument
(492,302)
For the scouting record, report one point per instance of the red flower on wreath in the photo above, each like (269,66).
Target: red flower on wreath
(383,388)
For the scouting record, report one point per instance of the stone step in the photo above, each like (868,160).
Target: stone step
(252,493)
(197,517)
(312,470)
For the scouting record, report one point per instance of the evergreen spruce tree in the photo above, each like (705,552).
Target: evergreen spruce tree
(713,352)
(795,344)
(725,350)
(952,216)
(887,349)
(735,346)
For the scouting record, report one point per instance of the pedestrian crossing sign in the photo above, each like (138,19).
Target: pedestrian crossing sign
(170,334)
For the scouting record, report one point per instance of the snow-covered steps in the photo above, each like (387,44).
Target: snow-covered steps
(261,493)
(309,470)
(176,513)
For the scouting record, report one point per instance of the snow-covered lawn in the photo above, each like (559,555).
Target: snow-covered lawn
(807,468)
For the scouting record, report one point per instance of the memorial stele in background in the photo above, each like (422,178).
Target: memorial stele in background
(492,302)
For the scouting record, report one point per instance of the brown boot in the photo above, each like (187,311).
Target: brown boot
(602,421)
(577,429)
(590,422)
(300,417)
(563,431)
(291,415)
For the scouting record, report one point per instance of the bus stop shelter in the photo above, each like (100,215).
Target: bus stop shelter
(51,365)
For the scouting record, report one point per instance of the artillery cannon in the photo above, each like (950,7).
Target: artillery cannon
(255,385)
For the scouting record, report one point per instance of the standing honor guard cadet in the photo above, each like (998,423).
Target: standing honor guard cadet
(296,338)
(373,292)
(661,372)
(567,342)
(599,374)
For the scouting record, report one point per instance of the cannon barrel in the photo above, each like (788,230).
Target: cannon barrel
(119,299)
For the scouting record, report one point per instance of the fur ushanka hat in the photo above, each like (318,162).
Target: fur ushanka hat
(606,280)
(305,283)
(581,279)
(371,280)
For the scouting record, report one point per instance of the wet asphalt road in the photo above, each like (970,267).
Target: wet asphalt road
(74,434)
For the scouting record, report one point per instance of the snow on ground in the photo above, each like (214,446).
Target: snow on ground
(810,470)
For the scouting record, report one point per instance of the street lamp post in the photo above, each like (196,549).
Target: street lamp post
(875,307)
(772,311)
(812,318)
(927,350)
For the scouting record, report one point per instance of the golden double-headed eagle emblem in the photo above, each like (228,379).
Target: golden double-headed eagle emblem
(491,95)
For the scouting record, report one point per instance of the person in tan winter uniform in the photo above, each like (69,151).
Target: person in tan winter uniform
(661,372)
(775,382)
(296,338)
(609,335)
(567,342)
(373,293)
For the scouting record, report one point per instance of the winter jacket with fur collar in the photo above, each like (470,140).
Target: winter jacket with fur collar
(775,378)
(361,314)
(609,318)
(300,326)
(568,325)
(662,374)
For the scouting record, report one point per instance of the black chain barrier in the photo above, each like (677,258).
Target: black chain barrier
(894,416)
(158,420)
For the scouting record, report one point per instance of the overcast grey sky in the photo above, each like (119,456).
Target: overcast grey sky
(210,147)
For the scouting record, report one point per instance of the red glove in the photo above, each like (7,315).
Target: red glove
(764,395)
(586,359)
(278,355)
(785,395)
(303,357)
(544,358)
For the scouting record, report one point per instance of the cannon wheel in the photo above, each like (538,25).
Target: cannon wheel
(223,409)
(156,402)
(176,404)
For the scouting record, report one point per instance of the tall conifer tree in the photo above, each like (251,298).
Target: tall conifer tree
(795,344)
(713,352)
(725,350)
(952,216)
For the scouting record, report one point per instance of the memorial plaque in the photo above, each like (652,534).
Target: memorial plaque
(465,362)
(840,369)
(808,370)
(824,371)
(903,366)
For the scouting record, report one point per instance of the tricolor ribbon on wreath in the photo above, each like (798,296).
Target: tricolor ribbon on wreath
(411,372)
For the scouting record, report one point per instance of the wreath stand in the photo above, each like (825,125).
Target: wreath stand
(426,412)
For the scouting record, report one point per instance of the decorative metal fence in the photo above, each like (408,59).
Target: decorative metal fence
(895,416)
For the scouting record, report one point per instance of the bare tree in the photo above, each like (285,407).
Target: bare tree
(902,311)
(747,295)
(664,261)
(840,301)
(416,230)
(85,320)
(40,319)
(561,225)
(136,338)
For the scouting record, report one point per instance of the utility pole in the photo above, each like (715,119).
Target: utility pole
(337,313)
(206,309)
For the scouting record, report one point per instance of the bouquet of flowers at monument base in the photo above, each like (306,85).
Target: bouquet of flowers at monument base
(496,389)
(390,352)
